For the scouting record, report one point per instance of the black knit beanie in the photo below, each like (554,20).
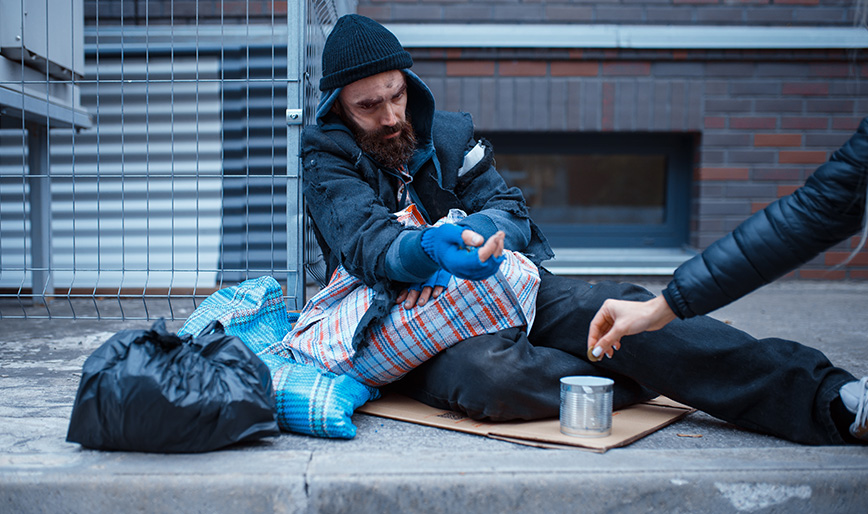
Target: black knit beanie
(359,47)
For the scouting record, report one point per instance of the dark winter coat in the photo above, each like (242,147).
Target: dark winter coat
(351,198)
(786,234)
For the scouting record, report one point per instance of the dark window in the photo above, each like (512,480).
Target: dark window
(601,190)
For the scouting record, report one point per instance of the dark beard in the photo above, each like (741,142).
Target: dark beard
(392,153)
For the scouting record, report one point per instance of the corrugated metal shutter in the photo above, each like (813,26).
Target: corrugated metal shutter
(136,200)
(179,188)
(254,164)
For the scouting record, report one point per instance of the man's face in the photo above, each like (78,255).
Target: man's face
(375,109)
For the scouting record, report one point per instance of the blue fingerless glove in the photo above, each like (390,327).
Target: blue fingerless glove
(445,247)
(438,278)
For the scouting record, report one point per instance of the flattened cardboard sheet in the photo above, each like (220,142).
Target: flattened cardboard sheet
(628,424)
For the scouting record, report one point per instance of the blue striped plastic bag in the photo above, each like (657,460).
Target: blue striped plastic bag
(309,401)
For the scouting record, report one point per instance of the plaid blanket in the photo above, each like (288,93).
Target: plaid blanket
(407,337)
(309,401)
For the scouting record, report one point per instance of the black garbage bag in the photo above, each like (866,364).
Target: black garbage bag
(152,391)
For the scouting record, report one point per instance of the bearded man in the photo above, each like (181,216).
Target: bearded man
(380,145)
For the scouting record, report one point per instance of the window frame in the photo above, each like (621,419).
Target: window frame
(678,151)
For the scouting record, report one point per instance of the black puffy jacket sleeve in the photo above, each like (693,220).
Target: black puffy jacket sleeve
(781,237)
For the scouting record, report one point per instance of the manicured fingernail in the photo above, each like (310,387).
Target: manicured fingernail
(598,350)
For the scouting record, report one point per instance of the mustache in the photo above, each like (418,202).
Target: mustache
(387,131)
(393,152)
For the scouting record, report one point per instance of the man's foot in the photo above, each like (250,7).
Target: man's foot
(855,397)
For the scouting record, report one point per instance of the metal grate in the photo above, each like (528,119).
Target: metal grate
(159,169)
(321,18)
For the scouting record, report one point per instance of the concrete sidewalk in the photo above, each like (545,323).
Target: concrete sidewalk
(398,467)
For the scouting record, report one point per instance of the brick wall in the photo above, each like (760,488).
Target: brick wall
(655,12)
(763,120)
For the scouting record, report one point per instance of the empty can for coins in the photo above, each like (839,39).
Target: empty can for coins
(586,406)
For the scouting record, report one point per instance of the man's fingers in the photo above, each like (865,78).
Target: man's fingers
(494,246)
(423,296)
(436,292)
(410,301)
(413,297)
(471,238)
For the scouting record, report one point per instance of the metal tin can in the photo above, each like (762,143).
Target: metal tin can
(586,406)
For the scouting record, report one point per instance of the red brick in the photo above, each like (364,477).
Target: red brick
(777,140)
(377,12)
(805,88)
(433,53)
(835,70)
(279,7)
(835,258)
(802,157)
(854,241)
(470,68)
(679,55)
(723,173)
(753,123)
(625,68)
(859,274)
(453,53)
(758,206)
(237,8)
(786,190)
(846,123)
(800,122)
(715,122)
(819,274)
(522,68)
(575,69)
(576,53)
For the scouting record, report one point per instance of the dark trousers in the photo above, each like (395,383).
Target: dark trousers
(771,385)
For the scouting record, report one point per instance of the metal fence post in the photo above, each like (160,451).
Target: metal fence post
(296,21)
(40,212)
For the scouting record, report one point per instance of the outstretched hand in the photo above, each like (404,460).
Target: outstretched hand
(492,248)
(619,318)
(432,288)
(461,251)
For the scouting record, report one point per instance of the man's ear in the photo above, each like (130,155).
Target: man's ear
(337,108)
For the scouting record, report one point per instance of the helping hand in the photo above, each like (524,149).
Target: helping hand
(455,249)
(619,318)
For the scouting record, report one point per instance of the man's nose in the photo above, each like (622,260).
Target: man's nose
(390,115)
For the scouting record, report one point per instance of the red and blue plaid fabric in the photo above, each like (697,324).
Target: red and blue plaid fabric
(408,337)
